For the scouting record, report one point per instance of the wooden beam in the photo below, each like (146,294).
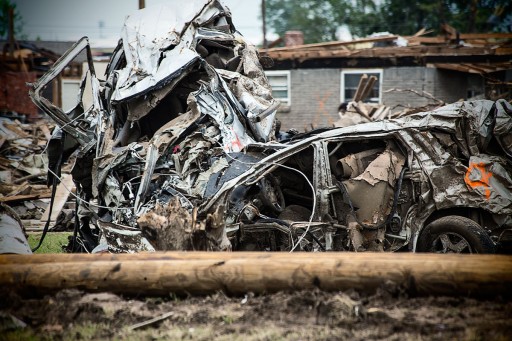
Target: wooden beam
(486,36)
(426,40)
(368,87)
(360,87)
(238,273)
(22,197)
(391,52)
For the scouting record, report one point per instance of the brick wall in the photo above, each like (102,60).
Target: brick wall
(315,97)
(415,78)
(315,93)
(14,92)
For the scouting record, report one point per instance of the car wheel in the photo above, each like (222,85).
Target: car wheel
(454,234)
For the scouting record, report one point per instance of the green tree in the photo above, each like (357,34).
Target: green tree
(481,15)
(320,19)
(317,19)
(4,20)
(407,17)
(365,18)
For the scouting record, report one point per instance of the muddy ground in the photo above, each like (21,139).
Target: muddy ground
(305,315)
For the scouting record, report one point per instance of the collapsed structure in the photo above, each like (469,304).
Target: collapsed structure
(179,151)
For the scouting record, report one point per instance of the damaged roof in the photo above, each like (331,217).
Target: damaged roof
(474,53)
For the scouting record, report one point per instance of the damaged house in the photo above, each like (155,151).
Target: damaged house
(451,67)
(179,150)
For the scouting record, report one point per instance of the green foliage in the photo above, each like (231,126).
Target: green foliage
(365,18)
(319,20)
(4,20)
(407,17)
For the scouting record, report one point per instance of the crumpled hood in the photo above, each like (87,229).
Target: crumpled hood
(158,42)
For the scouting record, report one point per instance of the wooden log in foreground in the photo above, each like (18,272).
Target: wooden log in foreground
(239,272)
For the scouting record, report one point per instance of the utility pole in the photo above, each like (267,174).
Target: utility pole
(142,4)
(11,30)
(263,10)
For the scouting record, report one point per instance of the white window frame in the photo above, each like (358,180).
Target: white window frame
(288,85)
(362,72)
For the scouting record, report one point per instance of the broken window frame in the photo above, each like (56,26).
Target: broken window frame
(62,118)
(404,236)
(285,101)
(361,72)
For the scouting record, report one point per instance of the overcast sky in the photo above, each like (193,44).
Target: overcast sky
(101,20)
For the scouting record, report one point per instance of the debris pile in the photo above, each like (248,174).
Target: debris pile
(23,184)
(21,63)
(357,111)
(178,151)
(495,46)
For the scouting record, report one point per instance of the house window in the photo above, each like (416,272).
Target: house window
(350,81)
(280,83)
(69,93)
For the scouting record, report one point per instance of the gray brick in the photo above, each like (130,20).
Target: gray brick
(315,93)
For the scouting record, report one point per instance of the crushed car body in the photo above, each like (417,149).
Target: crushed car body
(178,151)
(182,89)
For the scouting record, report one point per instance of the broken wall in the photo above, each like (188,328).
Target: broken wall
(451,86)
(14,93)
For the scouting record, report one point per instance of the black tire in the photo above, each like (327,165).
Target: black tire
(454,234)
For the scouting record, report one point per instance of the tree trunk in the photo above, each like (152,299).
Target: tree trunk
(238,273)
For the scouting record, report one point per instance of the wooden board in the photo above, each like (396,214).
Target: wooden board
(61,196)
(22,197)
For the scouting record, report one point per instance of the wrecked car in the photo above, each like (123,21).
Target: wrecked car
(178,151)
(436,181)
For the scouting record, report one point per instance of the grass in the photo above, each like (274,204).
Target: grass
(52,243)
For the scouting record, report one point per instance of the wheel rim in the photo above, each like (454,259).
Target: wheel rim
(451,242)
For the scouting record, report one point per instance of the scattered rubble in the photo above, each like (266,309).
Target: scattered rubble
(495,46)
(23,167)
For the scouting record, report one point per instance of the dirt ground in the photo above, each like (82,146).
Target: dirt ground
(304,315)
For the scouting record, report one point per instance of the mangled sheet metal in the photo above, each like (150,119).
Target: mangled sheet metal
(178,152)
(474,124)
(183,88)
(376,181)
(376,186)
(479,133)
(12,235)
